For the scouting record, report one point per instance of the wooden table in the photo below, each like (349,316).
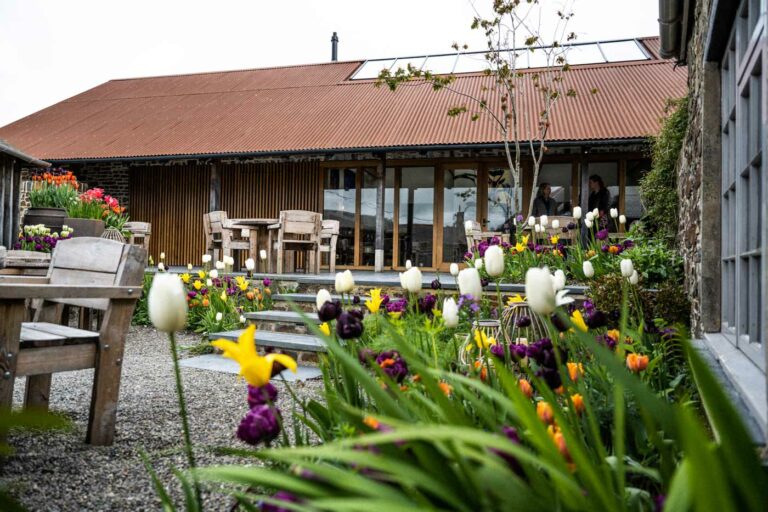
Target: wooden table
(257,237)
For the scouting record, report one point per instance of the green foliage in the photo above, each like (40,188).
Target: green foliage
(45,195)
(658,188)
(141,313)
(656,262)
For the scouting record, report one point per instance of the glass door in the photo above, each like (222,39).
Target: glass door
(460,204)
(339,203)
(416,224)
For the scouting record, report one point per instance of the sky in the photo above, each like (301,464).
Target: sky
(51,50)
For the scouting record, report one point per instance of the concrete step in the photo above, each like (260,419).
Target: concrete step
(218,363)
(281,340)
(284,317)
(298,297)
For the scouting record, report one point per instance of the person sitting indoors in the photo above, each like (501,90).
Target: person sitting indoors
(600,198)
(544,204)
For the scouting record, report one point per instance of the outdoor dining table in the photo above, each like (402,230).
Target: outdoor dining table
(257,237)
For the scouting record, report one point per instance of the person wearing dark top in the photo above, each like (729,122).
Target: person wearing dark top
(599,197)
(544,204)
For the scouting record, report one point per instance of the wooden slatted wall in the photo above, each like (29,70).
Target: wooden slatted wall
(173,199)
(262,190)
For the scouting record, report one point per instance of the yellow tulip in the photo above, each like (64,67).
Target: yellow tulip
(520,247)
(525,239)
(201,274)
(554,239)
(578,321)
(256,370)
(482,340)
(325,328)
(185,277)
(197,284)
(374,303)
(515,299)
(223,296)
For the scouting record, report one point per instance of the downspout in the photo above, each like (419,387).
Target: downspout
(670,21)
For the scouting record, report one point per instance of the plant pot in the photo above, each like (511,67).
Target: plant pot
(52,218)
(85,227)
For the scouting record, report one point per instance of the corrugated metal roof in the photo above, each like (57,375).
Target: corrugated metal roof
(316,107)
(20,155)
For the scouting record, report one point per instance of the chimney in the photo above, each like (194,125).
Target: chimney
(334,47)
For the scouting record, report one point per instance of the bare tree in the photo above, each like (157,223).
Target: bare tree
(514,38)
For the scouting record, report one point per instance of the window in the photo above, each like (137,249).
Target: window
(743,182)
(559,177)
(633,207)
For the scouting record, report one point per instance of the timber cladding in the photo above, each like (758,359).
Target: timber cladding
(174,198)
(264,189)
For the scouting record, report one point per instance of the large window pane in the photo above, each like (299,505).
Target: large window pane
(459,205)
(558,176)
(501,199)
(368,216)
(416,215)
(339,204)
(633,206)
(609,171)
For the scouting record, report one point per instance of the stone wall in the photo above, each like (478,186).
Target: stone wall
(112,177)
(699,181)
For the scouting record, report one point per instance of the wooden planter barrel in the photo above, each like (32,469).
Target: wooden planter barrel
(85,227)
(52,218)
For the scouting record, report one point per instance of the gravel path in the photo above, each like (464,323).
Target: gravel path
(57,471)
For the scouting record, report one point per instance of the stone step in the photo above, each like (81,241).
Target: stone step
(298,297)
(281,340)
(284,317)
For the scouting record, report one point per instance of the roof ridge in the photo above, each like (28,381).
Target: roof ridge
(317,64)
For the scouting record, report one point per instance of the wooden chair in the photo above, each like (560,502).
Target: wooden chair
(94,273)
(475,234)
(329,235)
(299,231)
(139,234)
(220,237)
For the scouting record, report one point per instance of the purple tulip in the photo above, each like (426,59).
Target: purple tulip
(436,284)
(264,395)
(260,424)
(602,234)
(511,434)
(523,321)
(267,281)
(348,326)
(393,365)
(427,303)
(330,310)
(596,319)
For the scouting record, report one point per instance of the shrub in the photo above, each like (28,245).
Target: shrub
(658,188)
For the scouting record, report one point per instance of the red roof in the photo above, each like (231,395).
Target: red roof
(316,107)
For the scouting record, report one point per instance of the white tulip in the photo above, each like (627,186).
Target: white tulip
(531,221)
(595,213)
(206,258)
(469,283)
(323,296)
(589,270)
(214,274)
(408,264)
(627,267)
(540,292)
(577,212)
(345,283)
(469,226)
(614,213)
(634,278)
(558,280)
(219,316)
(589,216)
(454,269)
(479,263)
(622,219)
(242,319)
(208,283)
(250,264)
(162,255)
(450,313)
(543,220)
(189,266)
(555,224)
(494,261)
(229,260)
(263,254)
(161,267)
(537,228)
(220,265)
(588,223)
(167,303)
(411,280)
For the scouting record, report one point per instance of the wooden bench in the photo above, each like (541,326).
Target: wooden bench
(92,273)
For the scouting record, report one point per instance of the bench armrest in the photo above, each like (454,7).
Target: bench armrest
(68,291)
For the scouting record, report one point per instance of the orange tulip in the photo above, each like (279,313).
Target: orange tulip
(249,295)
(372,423)
(559,439)
(206,303)
(545,413)
(526,388)
(637,363)
(446,388)
(575,370)
(483,370)
(578,403)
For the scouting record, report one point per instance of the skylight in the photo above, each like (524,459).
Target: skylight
(474,62)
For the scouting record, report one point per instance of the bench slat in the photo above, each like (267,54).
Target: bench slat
(29,335)
(60,330)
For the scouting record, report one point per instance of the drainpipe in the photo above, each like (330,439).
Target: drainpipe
(670,21)
(334,47)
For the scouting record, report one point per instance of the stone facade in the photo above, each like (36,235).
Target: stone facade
(112,177)
(698,171)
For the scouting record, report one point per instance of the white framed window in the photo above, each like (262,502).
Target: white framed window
(744,113)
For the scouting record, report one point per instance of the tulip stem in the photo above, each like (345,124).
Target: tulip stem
(184,418)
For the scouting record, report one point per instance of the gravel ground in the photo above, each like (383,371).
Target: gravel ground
(57,471)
